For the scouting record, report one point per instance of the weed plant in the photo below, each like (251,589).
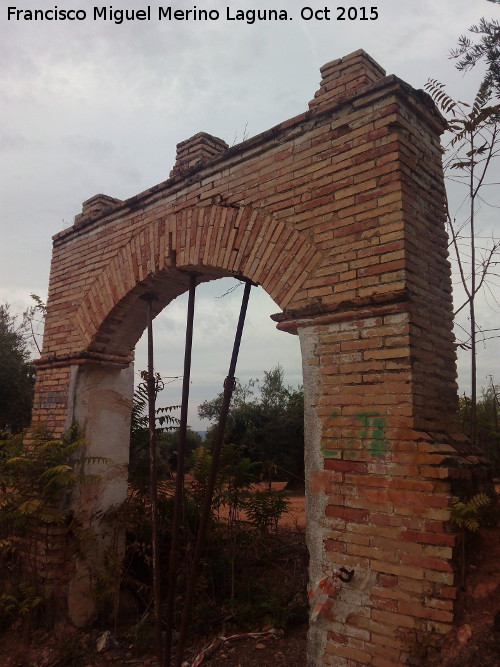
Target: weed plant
(241,546)
(36,479)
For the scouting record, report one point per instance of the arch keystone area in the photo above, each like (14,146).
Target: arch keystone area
(231,239)
(339,214)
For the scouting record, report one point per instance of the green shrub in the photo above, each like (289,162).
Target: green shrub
(264,509)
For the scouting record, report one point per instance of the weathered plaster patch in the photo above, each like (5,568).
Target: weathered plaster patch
(316,499)
(102,405)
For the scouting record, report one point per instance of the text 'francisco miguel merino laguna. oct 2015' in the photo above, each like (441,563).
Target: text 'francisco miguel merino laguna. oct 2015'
(160,13)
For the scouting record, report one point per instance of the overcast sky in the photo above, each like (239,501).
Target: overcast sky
(95,106)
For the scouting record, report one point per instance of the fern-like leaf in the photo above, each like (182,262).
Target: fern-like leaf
(29,507)
(466,513)
(479,500)
(439,95)
(55,471)
(9,543)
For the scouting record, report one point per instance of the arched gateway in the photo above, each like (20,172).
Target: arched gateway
(339,214)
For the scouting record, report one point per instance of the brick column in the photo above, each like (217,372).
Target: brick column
(377,502)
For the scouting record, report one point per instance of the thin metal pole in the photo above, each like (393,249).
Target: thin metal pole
(153,486)
(229,384)
(179,480)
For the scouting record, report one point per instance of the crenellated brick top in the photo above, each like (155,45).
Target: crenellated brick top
(344,76)
(355,78)
(196,150)
(95,207)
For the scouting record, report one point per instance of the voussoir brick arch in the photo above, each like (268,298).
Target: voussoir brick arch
(338,214)
(215,241)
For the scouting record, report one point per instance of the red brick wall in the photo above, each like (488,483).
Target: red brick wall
(339,214)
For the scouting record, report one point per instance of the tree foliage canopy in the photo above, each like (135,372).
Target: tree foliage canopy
(17,373)
(473,148)
(266,421)
(488,422)
(487,48)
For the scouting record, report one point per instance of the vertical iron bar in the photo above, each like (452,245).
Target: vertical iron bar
(179,480)
(153,485)
(205,514)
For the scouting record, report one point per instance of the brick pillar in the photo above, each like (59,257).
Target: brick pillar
(378,502)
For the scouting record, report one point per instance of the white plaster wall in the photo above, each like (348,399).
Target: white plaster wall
(315,501)
(102,406)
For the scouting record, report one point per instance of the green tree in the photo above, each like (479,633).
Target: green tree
(171,442)
(487,48)
(488,422)
(17,373)
(266,421)
(473,147)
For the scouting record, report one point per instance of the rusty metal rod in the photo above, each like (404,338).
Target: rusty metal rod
(179,480)
(229,384)
(153,492)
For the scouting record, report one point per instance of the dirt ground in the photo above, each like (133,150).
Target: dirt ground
(71,648)
(474,642)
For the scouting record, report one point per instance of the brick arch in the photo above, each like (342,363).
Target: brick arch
(214,240)
(338,213)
